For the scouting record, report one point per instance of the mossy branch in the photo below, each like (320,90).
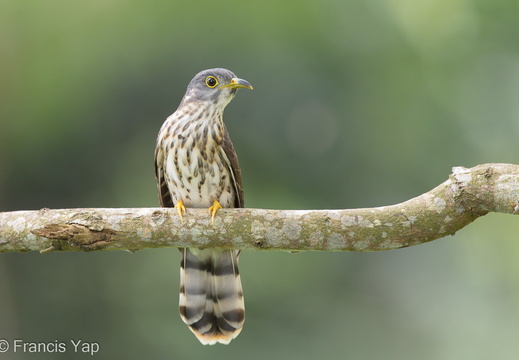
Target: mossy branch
(465,196)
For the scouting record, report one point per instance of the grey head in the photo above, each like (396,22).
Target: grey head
(214,86)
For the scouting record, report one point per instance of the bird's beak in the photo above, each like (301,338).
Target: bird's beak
(237,84)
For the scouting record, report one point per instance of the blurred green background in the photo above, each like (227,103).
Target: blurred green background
(355,104)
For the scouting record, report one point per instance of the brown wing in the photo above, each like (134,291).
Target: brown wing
(232,158)
(164,195)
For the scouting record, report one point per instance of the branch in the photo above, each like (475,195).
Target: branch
(465,196)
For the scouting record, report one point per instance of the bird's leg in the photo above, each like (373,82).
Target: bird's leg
(213,209)
(181,209)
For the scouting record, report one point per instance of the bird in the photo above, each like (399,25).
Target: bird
(196,166)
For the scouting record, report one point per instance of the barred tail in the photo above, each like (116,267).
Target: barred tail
(211,296)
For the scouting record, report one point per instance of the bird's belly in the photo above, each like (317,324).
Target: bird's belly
(197,180)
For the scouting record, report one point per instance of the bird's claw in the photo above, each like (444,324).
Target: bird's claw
(213,209)
(180,209)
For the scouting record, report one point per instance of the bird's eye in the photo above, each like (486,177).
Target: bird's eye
(211,81)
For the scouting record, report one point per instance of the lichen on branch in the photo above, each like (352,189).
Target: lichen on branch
(466,195)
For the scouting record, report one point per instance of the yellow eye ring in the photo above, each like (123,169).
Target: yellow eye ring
(211,81)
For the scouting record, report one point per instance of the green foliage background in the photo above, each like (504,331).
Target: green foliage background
(356,104)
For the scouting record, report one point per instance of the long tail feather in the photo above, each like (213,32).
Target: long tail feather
(211,295)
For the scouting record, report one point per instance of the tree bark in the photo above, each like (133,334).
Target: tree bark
(465,196)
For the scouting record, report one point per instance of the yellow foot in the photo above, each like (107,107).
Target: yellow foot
(181,209)
(213,209)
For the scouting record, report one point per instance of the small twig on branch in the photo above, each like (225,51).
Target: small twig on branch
(465,196)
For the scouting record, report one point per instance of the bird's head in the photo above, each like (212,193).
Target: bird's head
(214,86)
